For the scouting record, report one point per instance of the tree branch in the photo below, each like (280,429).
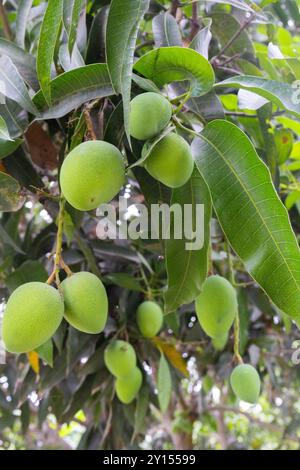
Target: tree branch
(6,26)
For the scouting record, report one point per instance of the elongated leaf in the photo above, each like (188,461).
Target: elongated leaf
(45,352)
(164,384)
(13,85)
(122,28)
(22,18)
(250,212)
(174,64)
(207,107)
(224,26)
(24,62)
(282,94)
(201,41)
(29,271)
(149,146)
(10,194)
(187,269)
(71,89)
(70,62)
(71,14)
(47,42)
(15,117)
(7,147)
(166,31)
(4,134)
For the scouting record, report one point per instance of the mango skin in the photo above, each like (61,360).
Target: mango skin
(86,304)
(128,387)
(170,161)
(120,358)
(33,313)
(149,115)
(149,318)
(245,383)
(216,306)
(92,174)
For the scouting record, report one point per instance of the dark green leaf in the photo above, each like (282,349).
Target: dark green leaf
(22,18)
(71,14)
(28,272)
(166,31)
(164,384)
(24,62)
(10,194)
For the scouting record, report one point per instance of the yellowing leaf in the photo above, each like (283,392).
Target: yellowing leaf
(33,358)
(172,354)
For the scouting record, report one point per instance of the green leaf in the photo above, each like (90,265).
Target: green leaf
(166,31)
(250,212)
(224,26)
(149,146)
(164,384)
(28,272)
(6,238)
(125,280)
(47,43)
(284,141)
(71,14)
(11,199)
(74,88)
(13,85)
(283,95)
(4,134)
(173,64)
(141,410)
(201,41)
(24,62)
(187,269)
(22,19)
(7,147)
(15,118)
(70,62)
(120,44)
(45,352)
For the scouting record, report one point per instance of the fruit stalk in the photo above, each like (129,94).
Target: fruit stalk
(59,239)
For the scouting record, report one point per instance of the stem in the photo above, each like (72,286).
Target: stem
(236,347)
(6,26)
(185,99)
(59,240)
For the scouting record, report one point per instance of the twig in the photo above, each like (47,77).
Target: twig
(6,26)
(195,22)
(174,7)
(234,37)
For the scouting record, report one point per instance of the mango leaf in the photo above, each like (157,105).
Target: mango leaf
(15,117)
(8,147)
(4,134)
(173,64)
(142,404)
(45,352)
(11,199)
(70,62)
(173,355)
(284,141)
(224,26)
(166,31)
(207,107)
(283,95)
(33,359)
(13,85)
(250,212)
(164,384)
(187,269)
(120,45)
(47,42)
(24,62)
(149,146)
(22,19)
(201,41)
(29,271)
(74,88)
(71,14)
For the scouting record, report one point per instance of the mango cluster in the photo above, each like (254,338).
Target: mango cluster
(120,360)
(170,160)
(35,310)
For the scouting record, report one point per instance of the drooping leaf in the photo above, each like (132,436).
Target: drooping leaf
(164,384)
(140,414)
(174,64)
(47,43)
(71,14)
(71,89)
(10,194)
(45,352)
(4,134)
(201,41)
(166,31)
(120,44)
(24,8)
(33,358)
(174,356)
(187,268)
(96,43)
(13,85)
(283,95)
(250,212)
(24,62)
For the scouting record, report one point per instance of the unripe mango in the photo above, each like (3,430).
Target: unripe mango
(149,318)
(119,358)
(220,342)
(86,303)
(216,306)
(92,174)
(33,313)
(127,387)
(245,383)
(170,161)
(149,115)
